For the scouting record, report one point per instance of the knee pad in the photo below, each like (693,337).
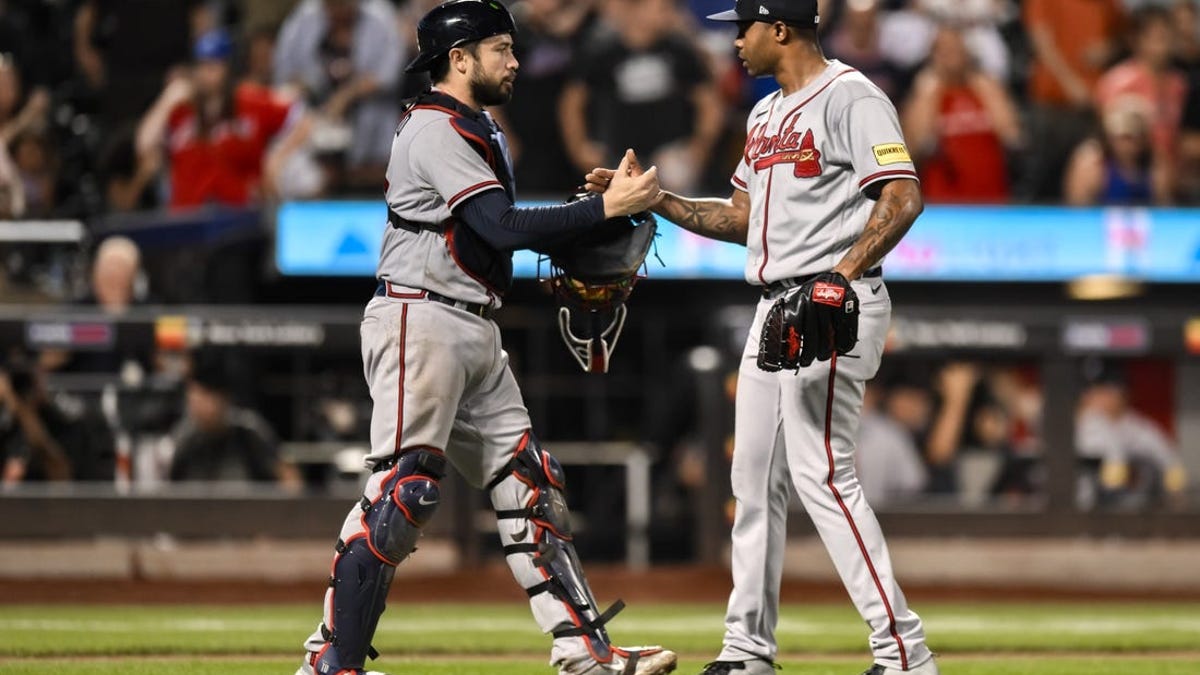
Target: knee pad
(366,561)
(408,497)
(531,490)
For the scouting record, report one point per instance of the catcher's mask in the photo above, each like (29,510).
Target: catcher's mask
(592,275)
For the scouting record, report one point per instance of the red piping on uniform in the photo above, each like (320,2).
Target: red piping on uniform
(739,183)
(767,204)
(850,519)
(487,147)
(400,384)
(881,174)
(816,93)
(766,221)
(419,295)
(467,191)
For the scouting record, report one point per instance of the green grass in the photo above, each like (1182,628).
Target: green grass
(949,666)
(1107,638)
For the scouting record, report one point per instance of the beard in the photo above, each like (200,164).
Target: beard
(488,93)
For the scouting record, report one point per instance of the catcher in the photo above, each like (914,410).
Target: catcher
(442,389)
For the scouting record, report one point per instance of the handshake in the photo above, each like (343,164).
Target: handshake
(626,190)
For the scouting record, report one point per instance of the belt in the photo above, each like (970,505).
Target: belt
(776,288)
(383,290)
(413,226)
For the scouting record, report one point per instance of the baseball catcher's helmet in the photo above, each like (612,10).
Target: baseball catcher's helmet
(593,274)
(455,23)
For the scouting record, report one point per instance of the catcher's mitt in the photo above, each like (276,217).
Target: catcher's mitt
(593,273)
(809,323)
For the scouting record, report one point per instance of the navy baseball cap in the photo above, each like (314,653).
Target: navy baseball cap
(794,12)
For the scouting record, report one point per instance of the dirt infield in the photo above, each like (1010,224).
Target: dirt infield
(493,583)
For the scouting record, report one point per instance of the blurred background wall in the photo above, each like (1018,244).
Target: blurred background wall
(180,361)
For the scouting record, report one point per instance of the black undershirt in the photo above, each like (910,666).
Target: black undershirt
(508,227)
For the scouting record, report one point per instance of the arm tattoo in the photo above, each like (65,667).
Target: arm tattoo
(892,216)
(712,218)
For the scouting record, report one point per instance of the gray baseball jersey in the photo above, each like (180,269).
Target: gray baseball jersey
(811,160)
(433,168)
(839,136)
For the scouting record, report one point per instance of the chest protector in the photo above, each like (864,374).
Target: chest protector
(484,263)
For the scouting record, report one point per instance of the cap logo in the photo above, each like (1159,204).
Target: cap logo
(762,10)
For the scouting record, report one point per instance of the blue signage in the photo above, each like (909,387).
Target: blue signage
(948,243)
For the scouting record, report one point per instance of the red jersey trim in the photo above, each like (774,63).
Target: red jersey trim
(740,184)
(906,173)
(417,295)
(400,386)
(475,139)
(817,93)
(766,222)
(478,187)
(837,495)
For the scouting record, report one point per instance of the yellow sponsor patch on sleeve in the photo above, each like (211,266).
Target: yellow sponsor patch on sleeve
(891,153)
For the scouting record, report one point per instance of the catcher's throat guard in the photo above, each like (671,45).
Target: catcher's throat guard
(592,275)
(592,352)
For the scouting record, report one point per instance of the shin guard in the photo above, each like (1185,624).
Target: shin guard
(535,528)
(379,534)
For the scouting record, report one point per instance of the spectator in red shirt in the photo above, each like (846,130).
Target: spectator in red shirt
(217,134)
(1150,77)
(959,122)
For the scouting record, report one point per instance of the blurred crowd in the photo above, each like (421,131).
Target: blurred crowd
(126,413)
(245,103)
(969,435)
(241,102)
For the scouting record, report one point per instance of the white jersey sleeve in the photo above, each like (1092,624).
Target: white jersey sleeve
(741,175)
(441,157)
(874,142)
